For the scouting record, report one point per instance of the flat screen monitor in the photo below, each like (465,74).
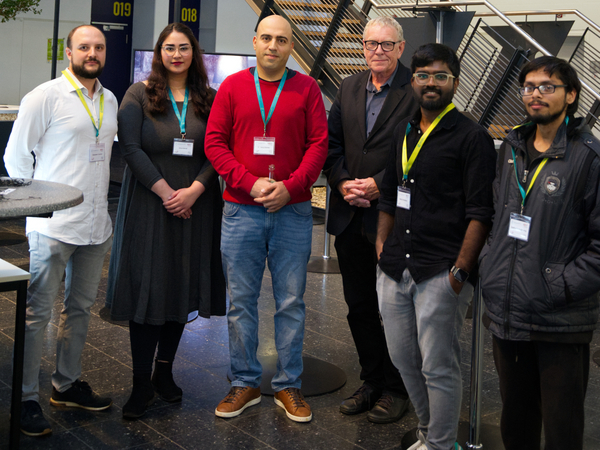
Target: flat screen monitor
(218,65)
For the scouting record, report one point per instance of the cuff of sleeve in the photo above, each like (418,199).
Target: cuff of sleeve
(294,189)
(247,182)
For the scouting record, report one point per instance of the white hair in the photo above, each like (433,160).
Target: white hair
(385,22)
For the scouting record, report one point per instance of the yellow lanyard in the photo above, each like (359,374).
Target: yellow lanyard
(408,163)
(97,128)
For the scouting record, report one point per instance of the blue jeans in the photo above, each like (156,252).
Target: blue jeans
(422,325)
(251,236)
(48,260)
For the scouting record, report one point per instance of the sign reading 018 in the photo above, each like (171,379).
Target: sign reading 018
(189,14)
(122,9)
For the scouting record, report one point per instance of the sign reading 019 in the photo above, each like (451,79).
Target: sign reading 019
(122,9)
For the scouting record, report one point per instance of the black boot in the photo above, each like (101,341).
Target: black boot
(162,380)
(142,396)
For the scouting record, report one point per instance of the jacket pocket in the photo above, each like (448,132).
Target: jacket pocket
(555,283)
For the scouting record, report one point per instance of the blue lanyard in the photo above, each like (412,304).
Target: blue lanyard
(180,117)
(260,100)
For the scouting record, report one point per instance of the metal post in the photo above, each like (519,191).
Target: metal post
(55,38)
(325,263)
(476,371)
(326,239)
(439,29)
(176,11)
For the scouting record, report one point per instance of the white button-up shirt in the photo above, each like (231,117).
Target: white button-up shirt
(54,125)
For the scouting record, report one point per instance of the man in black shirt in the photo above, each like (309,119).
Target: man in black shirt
(540,272)
(435,213)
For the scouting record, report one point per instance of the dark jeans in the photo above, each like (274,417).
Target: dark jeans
(358,264)
(542,382)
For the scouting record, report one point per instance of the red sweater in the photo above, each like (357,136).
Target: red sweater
(298,124)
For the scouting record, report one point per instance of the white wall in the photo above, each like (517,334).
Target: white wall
(24,46)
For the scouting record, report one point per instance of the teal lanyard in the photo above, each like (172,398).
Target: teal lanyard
(260,99)
(180,117)
(539,168)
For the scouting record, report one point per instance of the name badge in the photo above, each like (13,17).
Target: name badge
(97,152)
(264,146)
(403,198)
(183,147)
(519,227)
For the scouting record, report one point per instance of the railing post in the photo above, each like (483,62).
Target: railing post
(501,88)
(476,370)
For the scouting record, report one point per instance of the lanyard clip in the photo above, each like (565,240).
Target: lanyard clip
(183,136)
(265,131)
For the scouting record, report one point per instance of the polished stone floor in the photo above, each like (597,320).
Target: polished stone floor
(201,369)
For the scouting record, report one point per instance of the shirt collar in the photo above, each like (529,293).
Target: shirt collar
(97,91)
(371,87)
(448,121)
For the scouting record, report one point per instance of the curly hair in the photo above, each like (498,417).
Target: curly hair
(201,96)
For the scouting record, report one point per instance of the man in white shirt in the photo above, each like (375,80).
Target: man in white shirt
(64,133)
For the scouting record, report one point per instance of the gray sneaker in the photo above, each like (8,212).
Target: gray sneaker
(33,422)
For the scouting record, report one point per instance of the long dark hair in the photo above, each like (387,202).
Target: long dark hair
(201,96)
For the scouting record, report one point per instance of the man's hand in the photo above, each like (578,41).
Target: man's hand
(262,187)
(275,197)
(360,191)
(456,285)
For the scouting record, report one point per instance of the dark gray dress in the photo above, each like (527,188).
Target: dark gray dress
(162,267)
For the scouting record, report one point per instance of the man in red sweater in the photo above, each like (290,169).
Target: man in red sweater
(267,138)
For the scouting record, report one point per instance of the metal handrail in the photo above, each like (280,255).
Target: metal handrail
(497,13)
(553,12)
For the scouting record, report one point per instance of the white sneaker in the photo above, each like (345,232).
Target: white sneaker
(419,445)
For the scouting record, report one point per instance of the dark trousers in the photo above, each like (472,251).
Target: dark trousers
(358,264)
(542,382)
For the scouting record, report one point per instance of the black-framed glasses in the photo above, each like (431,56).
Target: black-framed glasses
(184,50)
(543,88)
(386,46)
(439,79)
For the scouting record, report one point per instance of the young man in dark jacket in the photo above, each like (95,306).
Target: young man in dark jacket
(541,268)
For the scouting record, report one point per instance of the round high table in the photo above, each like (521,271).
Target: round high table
(39,199)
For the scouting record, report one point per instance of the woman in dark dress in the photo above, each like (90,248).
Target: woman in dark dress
(165,264)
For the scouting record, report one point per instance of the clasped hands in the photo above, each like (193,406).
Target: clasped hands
(273,195)
(359,192)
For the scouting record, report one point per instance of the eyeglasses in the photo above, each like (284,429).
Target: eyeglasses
(386,46)
(170,50)
(439,79)
(543,88)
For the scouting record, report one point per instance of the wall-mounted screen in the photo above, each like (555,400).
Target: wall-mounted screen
(218,66)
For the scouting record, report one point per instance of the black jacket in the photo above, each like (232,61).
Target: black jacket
(353,155)
(550,283)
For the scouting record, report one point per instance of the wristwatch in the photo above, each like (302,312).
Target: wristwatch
(460,275)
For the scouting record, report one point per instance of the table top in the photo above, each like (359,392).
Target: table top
(8,273)
(40,197)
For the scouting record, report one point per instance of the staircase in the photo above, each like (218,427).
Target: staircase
(328,36)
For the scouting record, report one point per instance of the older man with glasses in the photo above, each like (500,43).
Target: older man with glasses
(367,108)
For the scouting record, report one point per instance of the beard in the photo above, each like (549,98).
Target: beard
(79,69)
(545,119)
(444,99)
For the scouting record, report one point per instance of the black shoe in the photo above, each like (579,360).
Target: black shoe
(362,400)
(33,422)
(80,395)
(142,396)
(388,409)
(164,385)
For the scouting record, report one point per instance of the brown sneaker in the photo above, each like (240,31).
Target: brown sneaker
(295,406)
(238,399)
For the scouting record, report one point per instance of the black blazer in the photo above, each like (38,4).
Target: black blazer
(353,155)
